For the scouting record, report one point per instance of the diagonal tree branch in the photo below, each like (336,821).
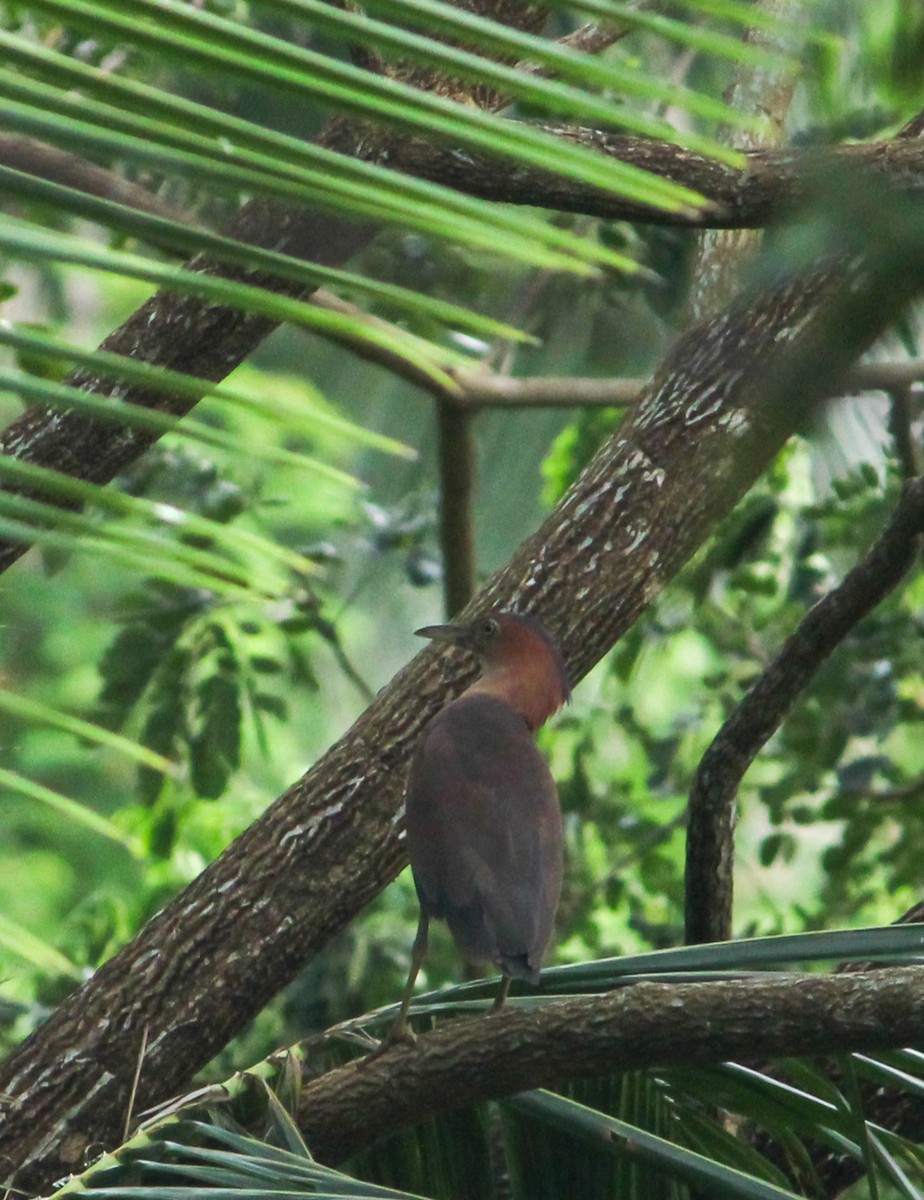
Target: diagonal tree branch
(711,812)
(712,418)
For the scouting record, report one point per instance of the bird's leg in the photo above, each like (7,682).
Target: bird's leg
(501,996)
(401,1031)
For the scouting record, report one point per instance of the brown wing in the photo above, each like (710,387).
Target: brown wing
(484,833)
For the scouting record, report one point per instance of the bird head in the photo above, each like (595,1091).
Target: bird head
(520,662)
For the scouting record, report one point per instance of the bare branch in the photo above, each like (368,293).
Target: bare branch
(21,153)
(898,375)
(645,1025)
(479,387)
(711,812)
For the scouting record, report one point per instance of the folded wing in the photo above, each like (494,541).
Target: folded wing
(484,834)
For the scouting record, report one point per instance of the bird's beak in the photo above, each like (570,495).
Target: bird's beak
(443,633)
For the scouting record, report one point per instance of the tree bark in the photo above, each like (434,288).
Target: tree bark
(714,416)
(771,185)
(647,1025)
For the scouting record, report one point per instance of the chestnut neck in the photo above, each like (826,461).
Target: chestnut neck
(534,688)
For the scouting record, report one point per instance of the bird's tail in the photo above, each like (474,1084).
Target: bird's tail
(519,966)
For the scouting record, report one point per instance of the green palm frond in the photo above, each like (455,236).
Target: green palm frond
(623,1140)
(195,1160)
(199,37)
(194,142)
(902,943)
(471,28)
(166,517)
(158,133)
(22,238)
(132,116)
(71,810)
(161,231)
(33,710)
(20,943)
(306,418)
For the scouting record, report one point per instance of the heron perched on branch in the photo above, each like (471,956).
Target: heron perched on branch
(483,820)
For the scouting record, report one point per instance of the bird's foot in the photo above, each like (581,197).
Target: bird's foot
(400,1034)
(501,998)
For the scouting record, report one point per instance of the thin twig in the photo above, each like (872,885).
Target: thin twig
(711,813)
(328,631)
(134,1091)
(478,387)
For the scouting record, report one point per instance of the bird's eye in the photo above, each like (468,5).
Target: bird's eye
(490,628)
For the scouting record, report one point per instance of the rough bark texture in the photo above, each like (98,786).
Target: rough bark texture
(713,417)
(646,1025)
(769,187)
